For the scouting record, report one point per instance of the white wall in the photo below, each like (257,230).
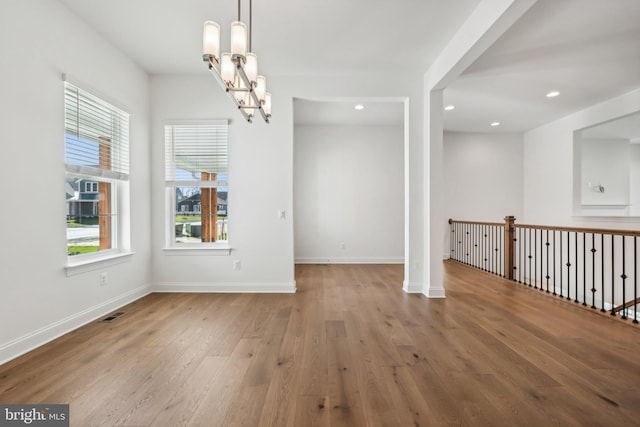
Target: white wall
(549,175)
(39,41)
(605,163)
(483,176)
(348,188)
(259,185)
(634,180)
(261,176)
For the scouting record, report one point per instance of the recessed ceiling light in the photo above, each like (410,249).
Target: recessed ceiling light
(495,124)
(450,107)
(553,94)
(359,107)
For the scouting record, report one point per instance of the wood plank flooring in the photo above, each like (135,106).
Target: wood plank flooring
(348,349)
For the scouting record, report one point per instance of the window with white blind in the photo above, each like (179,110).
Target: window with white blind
(196,176)
(97,169)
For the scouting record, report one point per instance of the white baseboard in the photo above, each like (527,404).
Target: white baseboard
(226,287)
(412,287)
(349,260)
(37,338)
(434,292)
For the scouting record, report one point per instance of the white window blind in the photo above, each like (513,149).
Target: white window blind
(96,135)
(191,149)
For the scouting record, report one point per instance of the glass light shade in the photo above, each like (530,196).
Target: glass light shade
(227,69)
(261,87)
(211,40)
(267,104)
(238,38)
(251,67)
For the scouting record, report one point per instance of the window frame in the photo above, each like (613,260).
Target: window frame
(117,177)
(171,247)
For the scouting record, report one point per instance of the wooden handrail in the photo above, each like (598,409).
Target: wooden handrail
(556,228)
(626,305)
(582,230)
(455,221)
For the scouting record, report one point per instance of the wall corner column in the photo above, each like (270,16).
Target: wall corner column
(433,186)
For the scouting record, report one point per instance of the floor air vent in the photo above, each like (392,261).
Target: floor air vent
(114,316)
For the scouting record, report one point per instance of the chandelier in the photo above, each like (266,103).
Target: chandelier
(237,71)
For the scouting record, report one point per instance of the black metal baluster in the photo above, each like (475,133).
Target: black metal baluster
(523,249)
(492,259)
(519,255)
(584,269)
(560,264)
(501,256)
(451,236)
(554,262)
(497,235)
(476,262)
(541,262)
(529,256)
(466,243)
(470,244)
(535,258)
(602,273)
(635,279)
(576,269)
(454,241)
(474,246)
(547,276)
(568,266)
(492,249)
(624,279)
(479,246)
(593,270)
(459,256)
(484,248)
(613,268)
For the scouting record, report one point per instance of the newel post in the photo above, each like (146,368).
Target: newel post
(509,234)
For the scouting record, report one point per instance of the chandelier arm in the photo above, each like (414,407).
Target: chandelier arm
(214,70)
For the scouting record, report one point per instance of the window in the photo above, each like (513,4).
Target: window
(196,175)
(90,187)
(97,169)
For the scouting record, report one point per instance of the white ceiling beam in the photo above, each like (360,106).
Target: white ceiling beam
(486,24)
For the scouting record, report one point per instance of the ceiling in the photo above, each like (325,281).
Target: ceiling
(588,50)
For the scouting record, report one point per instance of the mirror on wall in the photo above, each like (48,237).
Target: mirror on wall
(608,156)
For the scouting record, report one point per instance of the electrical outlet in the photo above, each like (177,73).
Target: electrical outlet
(236,264)
(102,278)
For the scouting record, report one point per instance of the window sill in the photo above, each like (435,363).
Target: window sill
(221,250)
(93,263)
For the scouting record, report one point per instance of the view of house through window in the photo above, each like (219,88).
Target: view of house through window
(90,217)
(196,177)
(196,221)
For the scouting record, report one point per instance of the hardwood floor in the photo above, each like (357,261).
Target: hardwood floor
(348,349)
